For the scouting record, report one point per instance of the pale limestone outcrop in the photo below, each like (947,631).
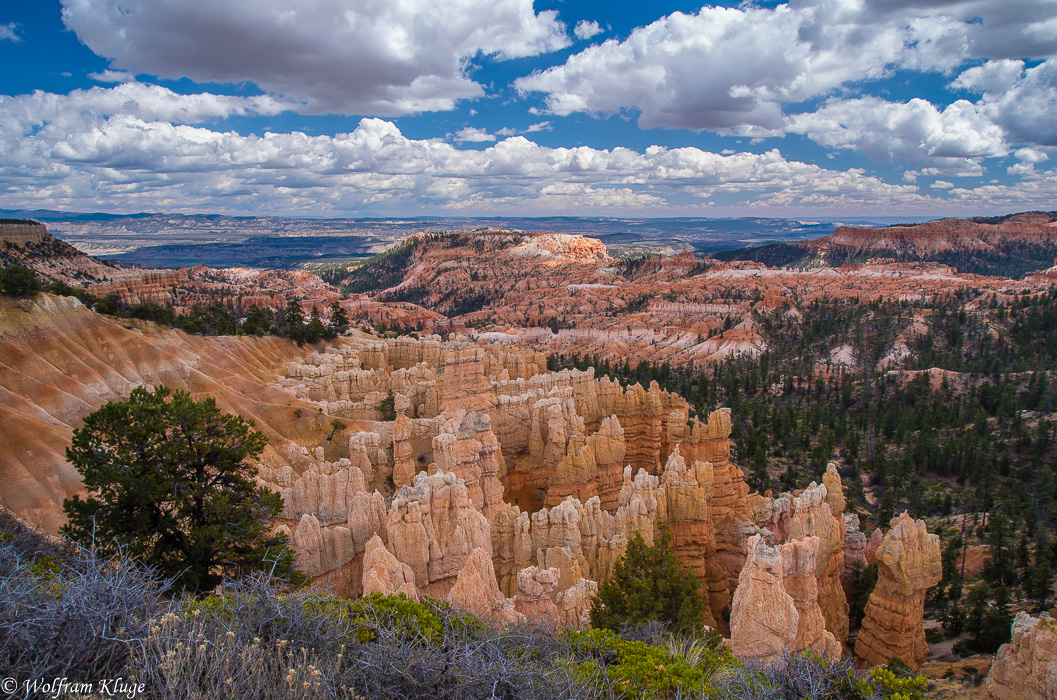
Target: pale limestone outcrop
(325,490)
(580,540)
(908,564)
(556,538)
(763,619)
(591,466)
(404,468)
(1025,668)
(535,588)
(367,453)
(812,516)
(467,447)
(463,382)
(580,460)
(385,574)
(574,604)
(475,591)
(434,528)
(330,551)
(854,545)
(799,563)
(834,489)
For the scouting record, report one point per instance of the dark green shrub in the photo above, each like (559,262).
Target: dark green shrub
(650,583)
(19,281)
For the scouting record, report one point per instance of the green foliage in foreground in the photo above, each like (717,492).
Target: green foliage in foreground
(251,639)
(169,481)
(634,669)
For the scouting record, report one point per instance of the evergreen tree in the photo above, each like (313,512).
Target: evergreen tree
(995,629)
(339,320)
(167,478)
(976,605)
(294,322)
(1039,585)
(19,281)
(315,329)
(860,586)
(649,583)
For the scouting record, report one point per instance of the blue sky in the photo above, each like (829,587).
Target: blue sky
(812,108)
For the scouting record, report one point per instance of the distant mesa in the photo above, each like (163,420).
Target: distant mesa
(1010,246)
(21,231)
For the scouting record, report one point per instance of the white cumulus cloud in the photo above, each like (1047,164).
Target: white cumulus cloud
(473,134)
(1023,101)
(954,139)
(135,147)
(112,76)
(386,58)
(735,68)
(585,29)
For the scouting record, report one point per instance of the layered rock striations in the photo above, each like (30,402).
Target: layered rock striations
(564,295)
(908,564)
(1025,668)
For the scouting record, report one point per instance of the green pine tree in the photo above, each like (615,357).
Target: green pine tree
(167,479)
(339,320)
(19,281)
(649,583)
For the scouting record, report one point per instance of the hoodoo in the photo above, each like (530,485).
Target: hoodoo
(908,564)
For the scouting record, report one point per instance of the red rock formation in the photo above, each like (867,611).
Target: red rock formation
(799,564)
(689,494)
(61,362)
(812,516)
(485,423)
(908,564)
(946,235)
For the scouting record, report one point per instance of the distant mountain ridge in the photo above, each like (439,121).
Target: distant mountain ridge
(264,241)
(1010,246)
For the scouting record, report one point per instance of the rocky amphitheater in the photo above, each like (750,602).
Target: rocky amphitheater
(512,491)
(468,472)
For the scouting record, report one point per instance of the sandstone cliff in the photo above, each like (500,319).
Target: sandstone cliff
(764,620)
